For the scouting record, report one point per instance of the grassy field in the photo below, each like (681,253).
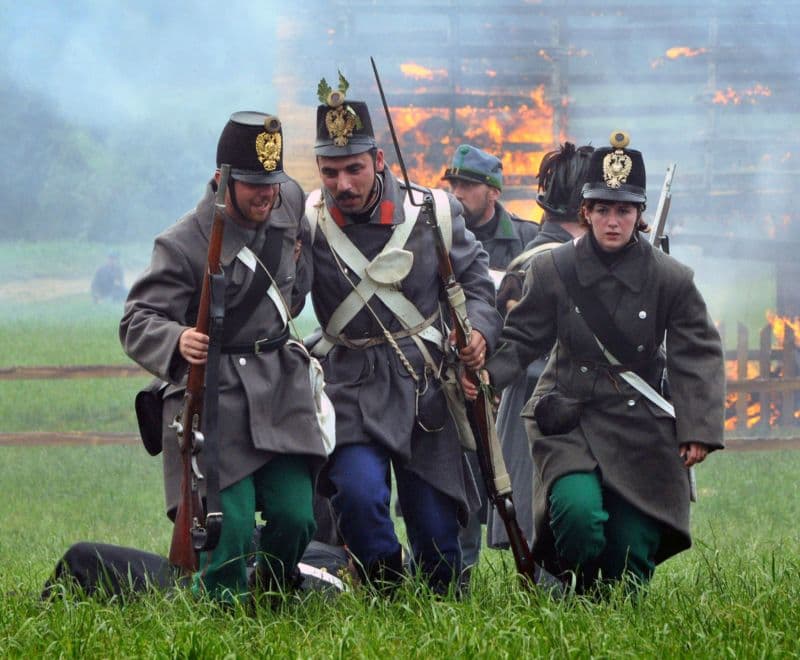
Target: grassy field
(734,594)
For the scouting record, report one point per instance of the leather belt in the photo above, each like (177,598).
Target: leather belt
(366,342)
(258,346)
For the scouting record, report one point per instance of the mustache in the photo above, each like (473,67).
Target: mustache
(345,195)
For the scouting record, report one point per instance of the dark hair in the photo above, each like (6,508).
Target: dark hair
(641,224)
(562,174)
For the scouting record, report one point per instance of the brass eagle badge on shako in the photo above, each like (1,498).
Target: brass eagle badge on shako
(269,144)
(617,164)
(341,120)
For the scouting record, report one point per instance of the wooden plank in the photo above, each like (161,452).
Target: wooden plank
(79,371)
(741,374)
(764,385)
(761,444)
(764,363)
(789,371)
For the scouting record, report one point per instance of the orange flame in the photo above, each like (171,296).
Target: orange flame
(419,72)
(730,96)
(675,52)
(779,325)
(495,129)
(753,413)
(684,51)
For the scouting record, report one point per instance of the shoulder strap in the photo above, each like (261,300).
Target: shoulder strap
(394,299)
(522,257)
(270,257)
(444,218)
(313,202)
(593,311)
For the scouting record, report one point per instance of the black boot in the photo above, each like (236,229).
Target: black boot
(385,574)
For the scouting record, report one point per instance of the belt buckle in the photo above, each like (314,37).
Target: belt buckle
(257,345)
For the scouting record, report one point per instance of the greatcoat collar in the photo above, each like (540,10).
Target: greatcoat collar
(631,269)
(385,213)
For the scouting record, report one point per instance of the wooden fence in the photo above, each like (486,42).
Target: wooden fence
(765,388)
(759,379)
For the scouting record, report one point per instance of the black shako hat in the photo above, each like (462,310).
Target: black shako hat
(344,128)
(615,173)
(252,144)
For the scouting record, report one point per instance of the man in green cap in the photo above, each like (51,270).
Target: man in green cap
(270,444)
(476,180)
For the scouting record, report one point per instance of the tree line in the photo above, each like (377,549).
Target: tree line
(67,180)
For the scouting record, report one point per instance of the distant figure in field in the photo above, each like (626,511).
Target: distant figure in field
(108,282)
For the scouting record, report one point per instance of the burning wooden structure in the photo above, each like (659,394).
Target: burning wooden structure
(710,86)
(763,387)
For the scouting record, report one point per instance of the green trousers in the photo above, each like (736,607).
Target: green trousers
(283,492)
(598,533)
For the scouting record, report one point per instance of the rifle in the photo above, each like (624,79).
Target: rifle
(479,412)
(189,535)
(660,240)
(657,236)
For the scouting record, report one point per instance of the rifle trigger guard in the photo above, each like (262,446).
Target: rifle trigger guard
(198,439)
(196,469)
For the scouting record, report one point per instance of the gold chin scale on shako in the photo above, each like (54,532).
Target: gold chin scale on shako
(269,143)
(617,164)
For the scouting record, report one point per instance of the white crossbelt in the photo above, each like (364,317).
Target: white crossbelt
(402,308)
(643,387)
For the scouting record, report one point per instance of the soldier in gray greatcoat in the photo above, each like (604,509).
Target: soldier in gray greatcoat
(376,293)
(270,445)
(561,176)
(610,453)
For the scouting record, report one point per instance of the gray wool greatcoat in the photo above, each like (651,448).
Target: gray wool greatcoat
(371,391)
(265,400)
(631,442)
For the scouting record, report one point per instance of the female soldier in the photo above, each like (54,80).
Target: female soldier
(611,489)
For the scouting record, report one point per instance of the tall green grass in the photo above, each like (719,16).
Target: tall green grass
(734,594)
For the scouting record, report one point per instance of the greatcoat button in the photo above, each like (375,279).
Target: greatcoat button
(584,369)
(577,309)
(631,403)
(642,314)
(640,348)
(242,361)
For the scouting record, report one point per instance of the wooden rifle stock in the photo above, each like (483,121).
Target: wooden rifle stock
(190,439)
(479,412)
(481,420)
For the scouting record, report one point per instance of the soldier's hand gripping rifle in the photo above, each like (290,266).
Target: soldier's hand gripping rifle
(479,412)
(194,529)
